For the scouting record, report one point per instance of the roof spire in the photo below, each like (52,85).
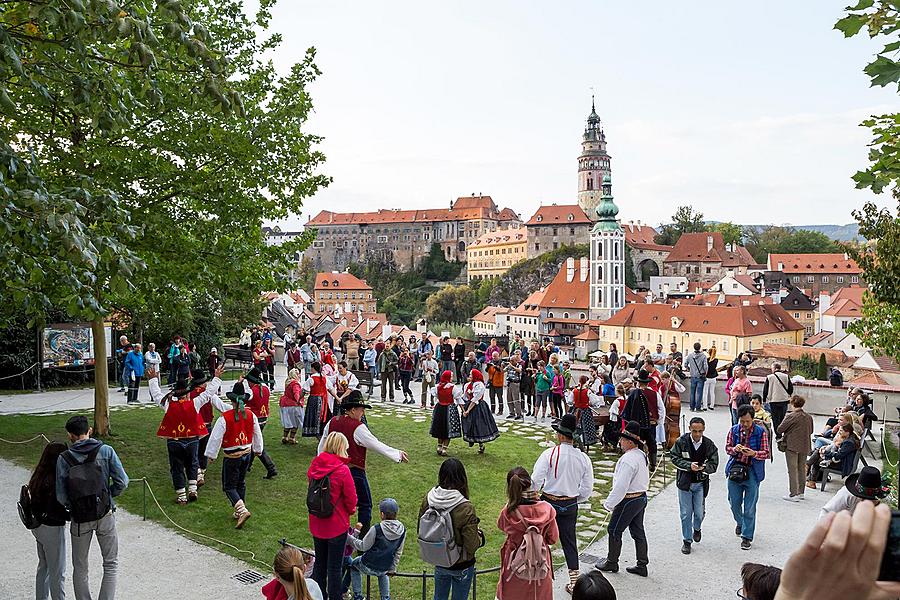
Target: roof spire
(593,110)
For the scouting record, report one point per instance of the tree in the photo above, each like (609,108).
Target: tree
(879,327)
(685,220)
(435,266)
(172,107)
(731,233)
(630,279)
(773,239)
(822,368)
(452,304)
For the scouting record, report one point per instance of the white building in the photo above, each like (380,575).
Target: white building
(670,286)
(490,321)
(525,319)
(837,311)
(607,292)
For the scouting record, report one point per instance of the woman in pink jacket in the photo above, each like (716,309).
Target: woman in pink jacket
(740,391)
(518,578)
(330,532)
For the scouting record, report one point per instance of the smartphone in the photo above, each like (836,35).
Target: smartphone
(890,560)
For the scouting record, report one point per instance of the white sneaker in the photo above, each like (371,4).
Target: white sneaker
(800,497)
(791,498)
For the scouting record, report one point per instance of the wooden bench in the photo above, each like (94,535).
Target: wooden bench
(366,380)
(238,355)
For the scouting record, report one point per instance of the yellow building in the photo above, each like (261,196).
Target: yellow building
(731,329)
(493,253)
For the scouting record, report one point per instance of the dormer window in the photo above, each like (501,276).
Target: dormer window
(324,284)
(571,217)
(539,218)
(334,283)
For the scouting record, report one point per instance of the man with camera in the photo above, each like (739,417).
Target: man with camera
(748,446)
(696,457)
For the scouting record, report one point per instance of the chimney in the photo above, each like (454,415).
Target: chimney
(846,256)
(781,266)
(570,269)
(585,269)
(709,243)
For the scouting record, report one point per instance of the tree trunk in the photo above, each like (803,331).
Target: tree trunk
(101,383)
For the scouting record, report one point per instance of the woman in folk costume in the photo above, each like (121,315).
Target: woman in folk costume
(291,407)
(182,427)
(586,429)
(328,356)
(316,387)
(342,384)
(238,434)
(478,425)
(445,424)
(259,405)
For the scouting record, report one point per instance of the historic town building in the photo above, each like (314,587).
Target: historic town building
(340,293)
(553,226)
(647,257)
(706,257)
(607,257)
(814,273)
(593,164)
(494,252)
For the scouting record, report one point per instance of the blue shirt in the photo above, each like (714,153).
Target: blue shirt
(134,363)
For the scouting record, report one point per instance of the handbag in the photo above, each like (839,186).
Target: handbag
(739,472)
(782,445)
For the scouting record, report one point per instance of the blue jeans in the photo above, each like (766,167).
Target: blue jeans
(691,507)
(357,570)
(697,392)
(821,442)
(363,499)
(742,497)
(452,584)
(328,565)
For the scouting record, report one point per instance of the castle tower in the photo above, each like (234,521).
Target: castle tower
(593,164)
(607,257)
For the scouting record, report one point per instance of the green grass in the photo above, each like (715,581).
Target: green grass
(891,457)
(278,506)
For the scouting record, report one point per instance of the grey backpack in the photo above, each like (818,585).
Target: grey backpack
(437,544)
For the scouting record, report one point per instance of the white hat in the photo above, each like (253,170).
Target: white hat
(213,350)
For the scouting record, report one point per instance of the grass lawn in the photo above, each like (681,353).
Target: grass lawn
(279,506)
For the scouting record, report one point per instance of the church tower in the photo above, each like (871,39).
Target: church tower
(607,257)
(593,164)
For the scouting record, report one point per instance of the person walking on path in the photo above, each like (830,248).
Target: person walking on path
(50,535)
(359,439)
(628,500)
(777,392)
(90,501)
(495,383)
(513,372)
(429,369)
(447,361)
(739,392)
(526,565)
(748,446)
(134,372)
(564,477)
(387,367)
(796,432)
(478,423)
(696,458)
(709,386)
(152,361)
(405,366)
(445,423)
(697,365)
(238,434)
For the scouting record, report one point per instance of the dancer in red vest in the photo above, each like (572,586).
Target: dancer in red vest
(199,385)
(182,427)
(584,416)
(314,417)
(360,439)
(259,405)
(445,423)
(239,435)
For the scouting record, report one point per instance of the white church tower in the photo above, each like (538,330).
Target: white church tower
(607,257)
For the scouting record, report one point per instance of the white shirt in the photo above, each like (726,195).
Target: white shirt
(363,437)
(842,500)
(563,471)
(632,475)
(207,395)
(218,433)
(477,390)
(430,366)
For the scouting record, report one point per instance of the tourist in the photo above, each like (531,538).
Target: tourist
(269,373)
(611,429)
(359,440)
(478,425)
(459,357)
(293,357)
(387,368)
(291,407)
(642,406)
(238,433)
(868,484)
(329,527)
(495,383)
(447,356)
(289,582)
(740,391)
(530,527)
(259,356)
(244,339)
(747,445)
(405,366)
(621,371)
(526,389)
(422,348)
(492,349)
(557,387)
(759,582)
(708,401)
(627,501)
(259,405)
(659,357)
(181,427)
(351,352)
(451,495)
(50,534)
(316,388)
(287,341)
(565,477)
(670,389)
(212,360)
(593,586)
(777,392)
(134,372)
(839,455)
(697,366)
(795,432)
(306,355)
(93,511)
(429,368)
(696,458)
(584,416)
(445,423)
(379,550)
(152,362)
(676,360)
(121,353)
(513,375)
(613,354)
(471,362)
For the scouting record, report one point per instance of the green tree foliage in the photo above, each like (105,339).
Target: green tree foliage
(774,239)
(806,366)
(630,279)
(731,233)
(879,327)
(822,368)
(453,304)
(527,276)
(685,220)
(436,267)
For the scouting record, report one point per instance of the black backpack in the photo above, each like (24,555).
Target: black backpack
(87,488)
(318,498)
(26,510)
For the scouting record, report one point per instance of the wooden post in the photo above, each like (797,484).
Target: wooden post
(101,376)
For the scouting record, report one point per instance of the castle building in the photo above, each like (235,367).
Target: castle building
(607,257)
(593,164)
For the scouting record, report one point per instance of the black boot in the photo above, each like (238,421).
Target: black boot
(266,460)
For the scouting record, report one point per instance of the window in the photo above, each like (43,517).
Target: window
(796,315)
(565,315)
(555,245)
(854,279)
(631,335)
(724,345)
(708,270)
(556,231)
(824,278)
(382,239)
(810,279)
(840,279)
(324,284)
(318,244)
(537,247)
(571,231)
(796,278)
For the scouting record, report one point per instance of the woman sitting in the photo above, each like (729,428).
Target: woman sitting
(826,438)
(840,454)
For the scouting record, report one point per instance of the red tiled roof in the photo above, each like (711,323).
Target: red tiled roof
(813,263)
(327,217)
(589,334)
(643,237)
(530,307)
(818,337)
(633,296)
(869,378)
(564,294)
(692,247)
(742,321)
(713,299)
(475,202)
(834,358)
(887,363)
(746,281)
(508,214)
(488,314)
(852,293)
(556,214)
(844,308)
(340,281)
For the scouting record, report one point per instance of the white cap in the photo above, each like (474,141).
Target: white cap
(214,350)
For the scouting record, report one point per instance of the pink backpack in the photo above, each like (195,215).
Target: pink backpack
(528,561)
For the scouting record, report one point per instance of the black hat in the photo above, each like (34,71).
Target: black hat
(253,376)
(632,432)
(643,376)
(237,393)
(354,400)
(182,388)
(198,378)
(866,484)
(566,425)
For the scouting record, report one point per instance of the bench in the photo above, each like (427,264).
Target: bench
(837,471)
(236,354)
(366,380)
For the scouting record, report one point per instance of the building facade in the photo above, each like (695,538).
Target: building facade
(802,308)
(490,321)
(565,307)
(607,293)
(553,226)
(647,257)
(593,164)
(705,257)
(493,253)
(525,319)
(814,273)
(339,293)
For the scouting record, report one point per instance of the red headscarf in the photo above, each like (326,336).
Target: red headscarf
(446,377)
(477,375)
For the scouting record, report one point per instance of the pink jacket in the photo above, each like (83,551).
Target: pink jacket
(543,516)
(739,386)
(343,495)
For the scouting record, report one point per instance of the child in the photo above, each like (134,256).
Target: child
(379,550)
(289,568)
(291,405)
(586,429)
(593,586)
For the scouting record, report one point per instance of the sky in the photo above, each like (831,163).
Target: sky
(749,112)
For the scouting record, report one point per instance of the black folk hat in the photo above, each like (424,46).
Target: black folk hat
(237,393)
(566,425)
(632,432)
(354,400)
(866,484)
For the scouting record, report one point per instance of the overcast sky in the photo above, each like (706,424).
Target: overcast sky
(749,112)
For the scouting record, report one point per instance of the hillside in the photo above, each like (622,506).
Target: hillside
(529,275)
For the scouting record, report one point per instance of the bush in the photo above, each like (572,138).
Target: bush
(805,366)
(822,368)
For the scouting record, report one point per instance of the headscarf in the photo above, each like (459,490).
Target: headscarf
(477,375)
(446,377)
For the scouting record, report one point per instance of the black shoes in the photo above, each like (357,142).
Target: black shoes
(638,570)
(745,544)
(737,530)
(697,535)
(607,566)
(271,475)
(686,548)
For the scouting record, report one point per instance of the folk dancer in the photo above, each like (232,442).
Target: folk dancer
(564,477)
(445,423)
(584,416)
(182,428)
(291,407)
(478,423)
(627,500)
(316,387)
(360,439)
(341,385)
(696,458)
(198,386)
(259,405)
(239,435)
